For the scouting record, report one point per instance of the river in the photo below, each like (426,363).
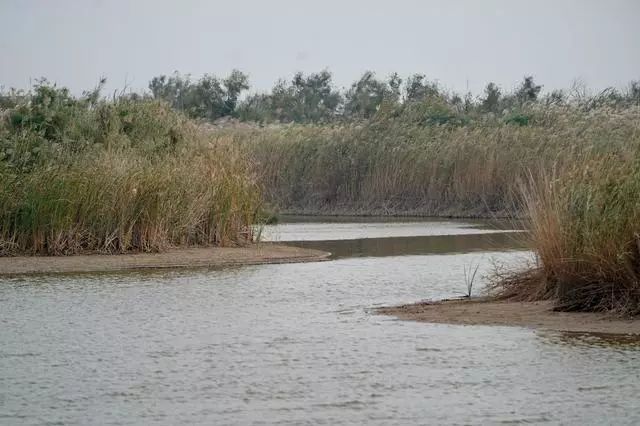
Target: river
(299,343)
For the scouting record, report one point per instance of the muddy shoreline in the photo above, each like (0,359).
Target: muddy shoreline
(536,315)
(175,258)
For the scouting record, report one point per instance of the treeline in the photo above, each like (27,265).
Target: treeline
(314,98)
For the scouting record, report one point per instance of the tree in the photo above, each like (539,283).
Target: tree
(528,90)
(316,98)
(395,83)
(418,88)
(234,85)
(170,89)
(491,100)
(256,107)
(208,98)
(310,98)
(205,99)
(633,94)
(367,94)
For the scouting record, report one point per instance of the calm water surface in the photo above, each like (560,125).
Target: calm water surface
(298,344)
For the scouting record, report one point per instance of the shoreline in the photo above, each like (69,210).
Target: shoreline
(490,312)
(192,257)
(454,214)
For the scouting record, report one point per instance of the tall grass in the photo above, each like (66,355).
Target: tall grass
(585,231)
(115,177)
(391,166)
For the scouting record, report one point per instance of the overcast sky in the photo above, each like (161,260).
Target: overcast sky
(457,43)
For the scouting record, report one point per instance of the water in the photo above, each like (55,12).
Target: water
(296,344)
(297,228)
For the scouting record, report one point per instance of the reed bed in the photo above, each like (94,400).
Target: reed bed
(585,232)
(118,176)
(395,167)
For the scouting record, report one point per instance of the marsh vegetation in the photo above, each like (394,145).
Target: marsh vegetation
(143,172)
(90,174)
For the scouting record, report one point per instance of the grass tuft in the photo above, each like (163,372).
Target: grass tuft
(585,231)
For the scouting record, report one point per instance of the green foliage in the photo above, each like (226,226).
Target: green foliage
(518,119)
(418,89)
(528,90)
(49,124)
(305,99)
(633,94)
(257,108)
(435,111)
(208,98)
(367,94)
(491,100)
(313,98)
(48,112)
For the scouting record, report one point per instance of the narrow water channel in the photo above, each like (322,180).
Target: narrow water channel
(299,344)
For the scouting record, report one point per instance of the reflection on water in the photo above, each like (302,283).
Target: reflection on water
(606,340)
(296,344)
(396,246)
(334,228)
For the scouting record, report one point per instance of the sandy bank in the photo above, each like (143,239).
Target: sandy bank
(177,258)
(518,314)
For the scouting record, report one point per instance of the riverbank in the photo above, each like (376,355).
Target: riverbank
(176,258)
(537,315)
(400,214)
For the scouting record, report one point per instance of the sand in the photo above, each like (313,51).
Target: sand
(176,258)
(538,315)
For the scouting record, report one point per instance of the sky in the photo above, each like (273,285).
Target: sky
(461,44)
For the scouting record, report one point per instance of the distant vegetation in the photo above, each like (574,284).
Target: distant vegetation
(313,98)
(208,98)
